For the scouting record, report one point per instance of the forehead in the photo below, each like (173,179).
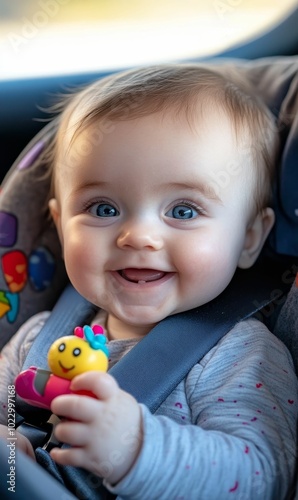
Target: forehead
(204,142)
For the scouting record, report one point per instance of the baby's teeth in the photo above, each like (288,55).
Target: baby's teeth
(141,282)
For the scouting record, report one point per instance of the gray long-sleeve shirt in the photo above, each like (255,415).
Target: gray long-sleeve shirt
(228,430)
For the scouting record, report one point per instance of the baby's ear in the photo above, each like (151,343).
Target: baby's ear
(255,237)
(54,208)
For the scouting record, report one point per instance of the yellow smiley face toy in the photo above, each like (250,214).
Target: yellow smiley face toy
(84,351)
(67,357)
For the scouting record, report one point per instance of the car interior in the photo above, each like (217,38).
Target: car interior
(24,99)
(269,62)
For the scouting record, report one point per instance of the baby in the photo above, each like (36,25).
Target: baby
(161,187)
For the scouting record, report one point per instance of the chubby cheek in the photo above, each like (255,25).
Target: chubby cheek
(83,261)
(206,268)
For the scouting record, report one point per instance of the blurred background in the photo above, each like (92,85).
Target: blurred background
(54,37)
(49,46)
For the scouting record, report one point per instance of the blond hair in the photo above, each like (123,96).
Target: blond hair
(144,91)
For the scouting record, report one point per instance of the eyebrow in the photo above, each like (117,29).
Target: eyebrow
(203,188)
(84,186)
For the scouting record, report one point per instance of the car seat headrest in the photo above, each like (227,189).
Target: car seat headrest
(276,81)
(32,272)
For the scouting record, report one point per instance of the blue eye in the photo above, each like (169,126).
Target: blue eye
(104,210)
(182,212)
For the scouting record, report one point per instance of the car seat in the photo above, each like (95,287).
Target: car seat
(32,270)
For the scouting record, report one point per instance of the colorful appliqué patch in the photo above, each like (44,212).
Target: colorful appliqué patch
(8,229)
(41,268)
(15,270)
(9,305)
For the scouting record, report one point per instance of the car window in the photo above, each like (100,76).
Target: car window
(52,37)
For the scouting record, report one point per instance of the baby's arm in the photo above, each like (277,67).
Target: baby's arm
(244,405)
(241,440)
(12,358)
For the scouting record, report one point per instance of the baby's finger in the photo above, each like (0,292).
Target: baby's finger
(69,456)
(102,385)
(73,433)
(75,407)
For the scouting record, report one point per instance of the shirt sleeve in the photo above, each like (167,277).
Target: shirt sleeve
(13,355)
(241,443)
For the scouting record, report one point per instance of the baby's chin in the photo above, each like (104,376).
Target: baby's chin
(139,318)
(127,328)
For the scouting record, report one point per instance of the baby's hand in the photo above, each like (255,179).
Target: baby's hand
(105,434)
(22,443)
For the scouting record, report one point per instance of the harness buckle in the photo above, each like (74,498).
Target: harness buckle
(41,436)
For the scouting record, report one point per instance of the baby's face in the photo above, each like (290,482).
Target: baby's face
(153,217)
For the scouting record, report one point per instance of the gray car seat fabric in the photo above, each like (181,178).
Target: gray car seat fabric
(286,327)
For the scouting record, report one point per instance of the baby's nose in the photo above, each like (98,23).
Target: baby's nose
(140,236)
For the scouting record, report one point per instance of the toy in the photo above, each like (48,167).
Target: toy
(67,357)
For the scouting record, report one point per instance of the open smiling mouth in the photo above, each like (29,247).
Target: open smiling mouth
(141,276)
(64,369)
